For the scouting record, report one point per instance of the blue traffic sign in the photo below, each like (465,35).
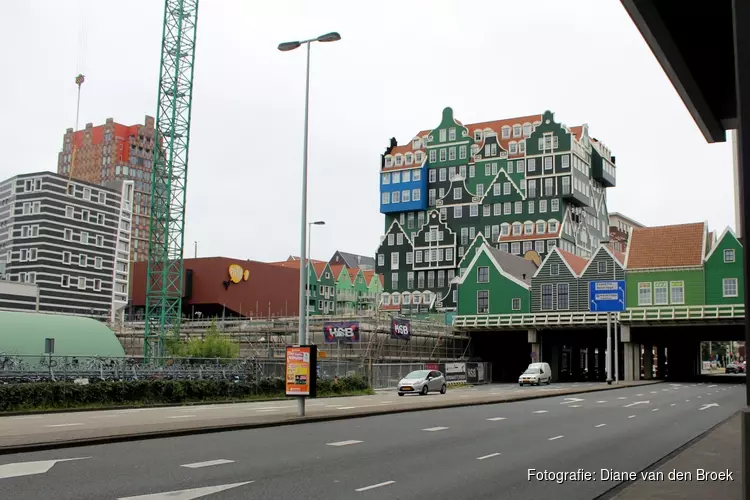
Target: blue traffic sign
(607,296)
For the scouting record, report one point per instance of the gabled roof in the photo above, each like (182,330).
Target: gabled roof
(727,231)
(574,263)
(620,259)
(337,269)
(510,266)
(680,245)
(354,260)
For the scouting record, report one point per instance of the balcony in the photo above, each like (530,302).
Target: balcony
(604,172)
(576,197)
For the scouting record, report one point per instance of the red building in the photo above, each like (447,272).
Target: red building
(220,286)
(109,153)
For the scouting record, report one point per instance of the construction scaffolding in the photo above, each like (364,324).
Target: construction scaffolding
(267,338)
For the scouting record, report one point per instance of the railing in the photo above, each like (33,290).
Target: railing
(509,321)
(682,313)
(632,315)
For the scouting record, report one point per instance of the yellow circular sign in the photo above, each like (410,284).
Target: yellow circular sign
(246,274)
(235,273)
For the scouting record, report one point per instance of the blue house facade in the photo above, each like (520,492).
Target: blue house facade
(403,188)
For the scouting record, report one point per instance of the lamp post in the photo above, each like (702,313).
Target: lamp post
(307,299)
(285,47)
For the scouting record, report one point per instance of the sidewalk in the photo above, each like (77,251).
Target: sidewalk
(719,450)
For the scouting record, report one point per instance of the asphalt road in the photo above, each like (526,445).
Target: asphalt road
(480,452)
(52,427)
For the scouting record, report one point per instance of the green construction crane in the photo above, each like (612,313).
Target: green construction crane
(164,280)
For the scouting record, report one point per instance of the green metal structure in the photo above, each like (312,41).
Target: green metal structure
(164,280)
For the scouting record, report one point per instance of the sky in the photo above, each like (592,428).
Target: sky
(398,64)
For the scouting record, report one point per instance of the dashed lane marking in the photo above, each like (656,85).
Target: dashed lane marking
(344,443)
(347,407)
(435,429)
(655,409)
(623,397)
(631,416)
(64,425)
(673,404)
(555,438)
(600,425)
(540,411)
(372,487)
(601,401)
(181,416)
(210,463)
(488,456)
(495,419)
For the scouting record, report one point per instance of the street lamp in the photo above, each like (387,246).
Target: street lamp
(285,47)
(307,299)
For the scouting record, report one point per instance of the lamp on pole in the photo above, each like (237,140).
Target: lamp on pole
(307,301)
(302,334)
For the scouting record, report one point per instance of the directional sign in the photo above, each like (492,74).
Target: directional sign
(607,296)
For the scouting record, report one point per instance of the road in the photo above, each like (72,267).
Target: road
(479,452)
(28,429)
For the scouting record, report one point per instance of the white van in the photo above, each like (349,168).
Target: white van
(536,374)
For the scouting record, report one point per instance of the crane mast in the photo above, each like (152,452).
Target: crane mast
(164,280)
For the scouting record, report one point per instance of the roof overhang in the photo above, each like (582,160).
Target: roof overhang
(694,43)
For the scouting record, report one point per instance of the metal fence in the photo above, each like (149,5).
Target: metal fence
(41,368)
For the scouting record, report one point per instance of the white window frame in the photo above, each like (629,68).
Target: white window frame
(676,285)
(729,252)
(661,293)
(642,299)
(728,281)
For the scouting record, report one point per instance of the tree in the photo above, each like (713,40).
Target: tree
(212,345)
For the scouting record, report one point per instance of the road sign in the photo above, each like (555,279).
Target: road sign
(607,296)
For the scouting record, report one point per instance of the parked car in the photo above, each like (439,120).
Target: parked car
(422,382)
(735,368)
(536,374)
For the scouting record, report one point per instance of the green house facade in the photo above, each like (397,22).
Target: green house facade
(495,282)
(723,271)
(606,264)
(555,285)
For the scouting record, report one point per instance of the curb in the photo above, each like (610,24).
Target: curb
(141,436)
(614,492)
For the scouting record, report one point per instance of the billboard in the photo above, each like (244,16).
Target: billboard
(400,328)
(346,331)
(301,370)
(455,372)
(475,373)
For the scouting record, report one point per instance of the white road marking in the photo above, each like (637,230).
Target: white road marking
(556,437)
(495,419)
(574,406)
(708,406)
(210,463)
(673,404)
(540,411)
(623,397)
(631,416)
(700,397)
(31,468)
(465,396)
(267,410)
(712,386)
(637,403)
(434,429)
(347,407)
(665,390)
(344,443)
(30,417)
(655,409)
(63,425)
(654,392)
(182,416)
(600,425)
(488,456)
(687,400)
(639,395)
(571,400)
(601,401)
(186,494)
(494,393)
(386,483)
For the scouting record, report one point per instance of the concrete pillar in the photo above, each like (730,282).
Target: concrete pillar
(628,354)
(636,361)
(554,362)
(661,362)
(575,362)
(648,361)
(602,360)
(536,347)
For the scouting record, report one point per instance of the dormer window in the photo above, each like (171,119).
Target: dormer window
(528,228)
(477,135)
(516,228)
(417,144)
(388,161)
(516,131)
(553,225)
(540,227)
(513,148)
(399,160)
(506,132)
(409,158)
(526,129)
(419,157)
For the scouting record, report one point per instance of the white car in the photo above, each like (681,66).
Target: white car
(536,374)
(422,382)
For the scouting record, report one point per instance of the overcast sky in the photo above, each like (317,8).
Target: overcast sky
(399,63)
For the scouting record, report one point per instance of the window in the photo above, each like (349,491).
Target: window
(420,279)
(65,281)
(729,255)
(406,196)
(483,274)
(462,152)
(416,175)
(443,175)
(480,189)
(452,153)
(410,280)
(528,228)
(513,149)
(449,255)
(457,193)
(549,187)
(486,210)
(563,296)
(515,248)
(602,267)
(547,163)
(531,164)
(396,197)
(394,260)
(483,302)
(565,159)
(661,293)
(730,287)
(473,210)
(81,283)
(506,188)
(386,198)
(97,285)
(516,304)
(566,185)
(431,197)
(458,211)
(396,177)
(390,240)
(547,297)
(85,237)
(555,205)
(516,131)
(539,246)
(442,154)
(540,227)
(99,240)
(69,212)
(430,279)
(406,176)
(678,292)
(68,234)
(644,294)
(441,279)
(394,281)
(433,156)
(82,260)
(381,259)
(516,228)
(554,269)
(531,189)
(542,206)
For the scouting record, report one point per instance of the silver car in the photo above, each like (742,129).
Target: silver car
(422,382)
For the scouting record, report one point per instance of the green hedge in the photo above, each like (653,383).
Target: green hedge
(49,395)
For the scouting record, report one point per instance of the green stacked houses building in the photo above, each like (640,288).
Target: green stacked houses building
(524,186)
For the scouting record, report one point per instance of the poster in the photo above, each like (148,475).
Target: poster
(347,332)
(455,372)
(400,329)
(301,371)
